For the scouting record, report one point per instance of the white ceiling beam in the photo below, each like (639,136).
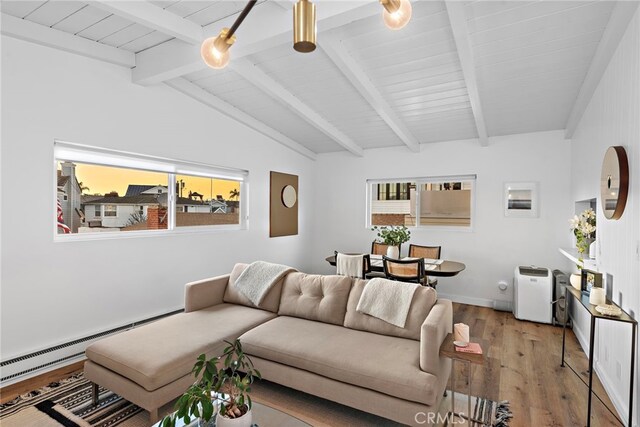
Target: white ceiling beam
(191,90)
(267,26)
(458,21)
(45,36)
(618,22)
(350,68)
(154,17)
(265,83)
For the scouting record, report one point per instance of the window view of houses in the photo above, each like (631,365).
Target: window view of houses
(94,198)
(439,204)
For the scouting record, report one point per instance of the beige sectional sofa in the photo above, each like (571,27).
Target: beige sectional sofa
(306,334)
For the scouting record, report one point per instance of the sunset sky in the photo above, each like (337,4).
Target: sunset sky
(103,179)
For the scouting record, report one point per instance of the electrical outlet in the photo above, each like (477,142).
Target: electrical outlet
(618,371)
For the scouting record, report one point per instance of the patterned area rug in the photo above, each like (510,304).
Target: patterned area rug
(73,394)
(71,398)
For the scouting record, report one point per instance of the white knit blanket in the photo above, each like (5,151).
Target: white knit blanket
(387,300)
(258,278)
(349,265)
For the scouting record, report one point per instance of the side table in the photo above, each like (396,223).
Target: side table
(447,349)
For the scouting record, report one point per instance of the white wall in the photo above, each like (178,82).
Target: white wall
(613,118)
(52,292)
(496,245)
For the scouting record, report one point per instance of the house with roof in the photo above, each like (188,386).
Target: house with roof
(70,195)
(112,211)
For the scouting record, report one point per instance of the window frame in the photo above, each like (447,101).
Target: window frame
(418,181)
(87,154)
(115,211)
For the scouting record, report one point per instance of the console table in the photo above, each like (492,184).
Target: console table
(591,309)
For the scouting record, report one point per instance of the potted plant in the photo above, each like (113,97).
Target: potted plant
(220,395)
(393,236)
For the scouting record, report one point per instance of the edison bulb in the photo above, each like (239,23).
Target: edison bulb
(399,18)
(212,56)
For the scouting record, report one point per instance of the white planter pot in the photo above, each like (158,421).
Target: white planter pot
(592,250)
(393,252)
(244,421)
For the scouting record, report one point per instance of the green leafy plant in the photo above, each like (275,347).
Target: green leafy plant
(392,235)
(227,377)
(584,228)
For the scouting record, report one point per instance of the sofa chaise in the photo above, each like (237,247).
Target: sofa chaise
(306,334)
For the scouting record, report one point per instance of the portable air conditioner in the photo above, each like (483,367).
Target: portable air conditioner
(533,294)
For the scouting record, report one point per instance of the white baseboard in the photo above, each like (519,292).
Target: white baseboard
(481,302)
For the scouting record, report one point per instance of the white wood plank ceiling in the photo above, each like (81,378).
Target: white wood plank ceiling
(459,70)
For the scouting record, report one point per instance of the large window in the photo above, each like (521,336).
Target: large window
(429,201)
(102,191)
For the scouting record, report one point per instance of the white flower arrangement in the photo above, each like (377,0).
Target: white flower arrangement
(583,227)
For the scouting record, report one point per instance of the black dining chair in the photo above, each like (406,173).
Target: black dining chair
(378,248)
(432,252)
(404,270)
(366,263)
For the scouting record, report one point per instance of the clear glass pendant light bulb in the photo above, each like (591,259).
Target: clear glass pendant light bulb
(400,17)
(212,56)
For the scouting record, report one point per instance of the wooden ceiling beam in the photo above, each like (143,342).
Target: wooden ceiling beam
(154,17)
(193,91)
(274,89)
(458,21)
(350,68)
(619,20)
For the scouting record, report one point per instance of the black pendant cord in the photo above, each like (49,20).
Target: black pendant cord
(241,17)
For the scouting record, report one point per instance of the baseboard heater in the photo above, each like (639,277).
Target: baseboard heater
(22,367)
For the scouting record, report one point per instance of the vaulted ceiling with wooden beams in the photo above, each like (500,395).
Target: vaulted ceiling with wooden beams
(458,70)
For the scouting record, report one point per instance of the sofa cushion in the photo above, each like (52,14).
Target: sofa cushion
(156,354)
(423,299)
(232,295)
(315,297)
(389,365)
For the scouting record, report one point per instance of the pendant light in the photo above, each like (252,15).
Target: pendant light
(304,26)
(215,50)
(396,14)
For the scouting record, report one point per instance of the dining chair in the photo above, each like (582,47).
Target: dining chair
(432,252)
(366,264)
(404,270)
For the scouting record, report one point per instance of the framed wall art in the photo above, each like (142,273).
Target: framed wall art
(521,199)
(283,205)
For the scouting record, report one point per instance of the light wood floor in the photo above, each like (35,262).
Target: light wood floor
(523,367)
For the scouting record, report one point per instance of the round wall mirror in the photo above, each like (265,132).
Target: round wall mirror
(289,196)
(614,182)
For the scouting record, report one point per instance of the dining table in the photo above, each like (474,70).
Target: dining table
(433,267)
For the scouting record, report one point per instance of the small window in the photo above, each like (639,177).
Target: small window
(437,201)
(97,211)
(110,210)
